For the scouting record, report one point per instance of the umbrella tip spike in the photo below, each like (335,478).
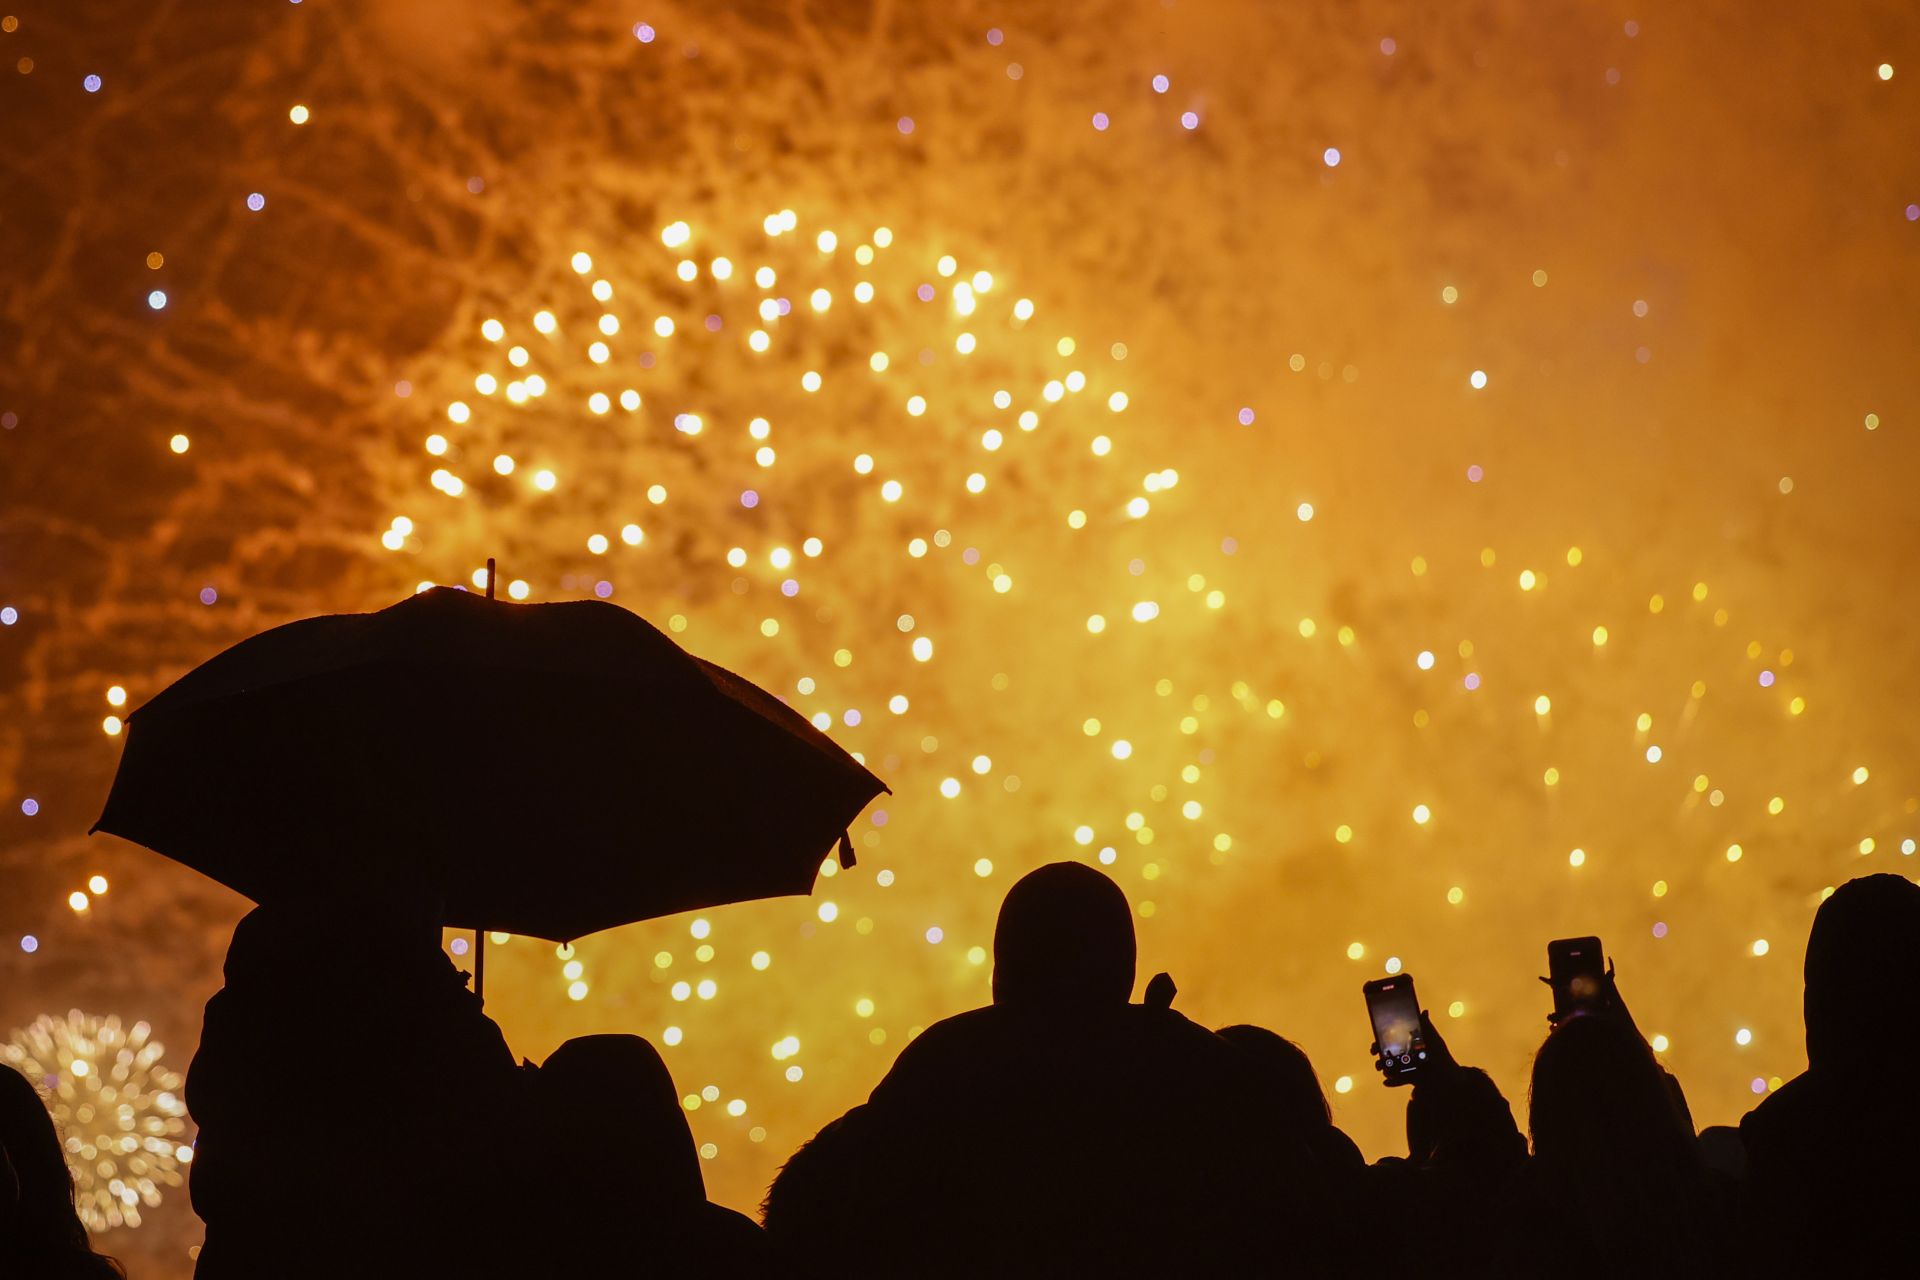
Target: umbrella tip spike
(847,858)
(491,575)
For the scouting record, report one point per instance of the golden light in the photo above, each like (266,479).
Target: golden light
(1328,452)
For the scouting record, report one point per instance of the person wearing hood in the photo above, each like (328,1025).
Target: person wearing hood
(1830,1155)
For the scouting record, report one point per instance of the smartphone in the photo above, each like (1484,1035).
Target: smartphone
(1577,972)
(1395,1012)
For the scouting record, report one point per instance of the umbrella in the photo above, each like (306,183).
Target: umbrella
(547,769)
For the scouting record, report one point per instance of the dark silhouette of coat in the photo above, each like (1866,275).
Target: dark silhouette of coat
(359,1032)
(1059,1131)
(1830,1155)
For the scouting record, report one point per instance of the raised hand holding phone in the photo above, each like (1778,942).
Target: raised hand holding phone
(1402,1036)
(1579,976)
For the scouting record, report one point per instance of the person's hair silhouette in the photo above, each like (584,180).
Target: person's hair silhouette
(611,1100)
(1600,1105)
(1284,1068)
(1064,937)
(40,1234)
(1616,1185)
(614,1122)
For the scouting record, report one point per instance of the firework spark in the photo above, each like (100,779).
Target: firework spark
(117,1107)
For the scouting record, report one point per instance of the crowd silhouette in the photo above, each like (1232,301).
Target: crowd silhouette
(1060,1130)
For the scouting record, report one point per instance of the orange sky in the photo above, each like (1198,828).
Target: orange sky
(1745,172)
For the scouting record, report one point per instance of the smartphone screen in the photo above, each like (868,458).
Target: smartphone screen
(1395,1012)
(1577,972)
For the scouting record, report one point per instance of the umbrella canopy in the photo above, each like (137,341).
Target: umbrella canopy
(545,769)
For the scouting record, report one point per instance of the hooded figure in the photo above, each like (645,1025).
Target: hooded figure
(1061,1130)
(351,1022)
(1830,1154)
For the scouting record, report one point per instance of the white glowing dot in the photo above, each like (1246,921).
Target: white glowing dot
(1304,511)
(1477,379)
(1122,748)
(1743,1036)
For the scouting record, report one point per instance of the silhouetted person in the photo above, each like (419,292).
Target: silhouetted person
(1062,1130)
(1439,1202)
(1616,1185)
(350,1026)
(40,1234)
(1831,1154)
(1283,1066)
(622,1191)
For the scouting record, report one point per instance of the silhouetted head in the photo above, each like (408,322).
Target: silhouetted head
(610,1103)
(1065,936)
(314,944)
(1465,1120)
(1601,1104)
(1283,1070)
(37,1219)
(1861,1006)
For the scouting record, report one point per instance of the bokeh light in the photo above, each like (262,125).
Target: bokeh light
(118,1109)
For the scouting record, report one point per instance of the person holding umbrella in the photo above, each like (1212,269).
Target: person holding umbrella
(549,770)
(365,1032)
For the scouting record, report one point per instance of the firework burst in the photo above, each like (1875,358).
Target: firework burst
(117,1107)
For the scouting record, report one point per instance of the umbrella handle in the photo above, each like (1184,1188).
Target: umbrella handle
(480,935)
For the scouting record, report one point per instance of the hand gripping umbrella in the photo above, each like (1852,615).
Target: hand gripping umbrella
(546,769)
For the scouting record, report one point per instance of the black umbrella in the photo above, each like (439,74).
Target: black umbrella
(547,769)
